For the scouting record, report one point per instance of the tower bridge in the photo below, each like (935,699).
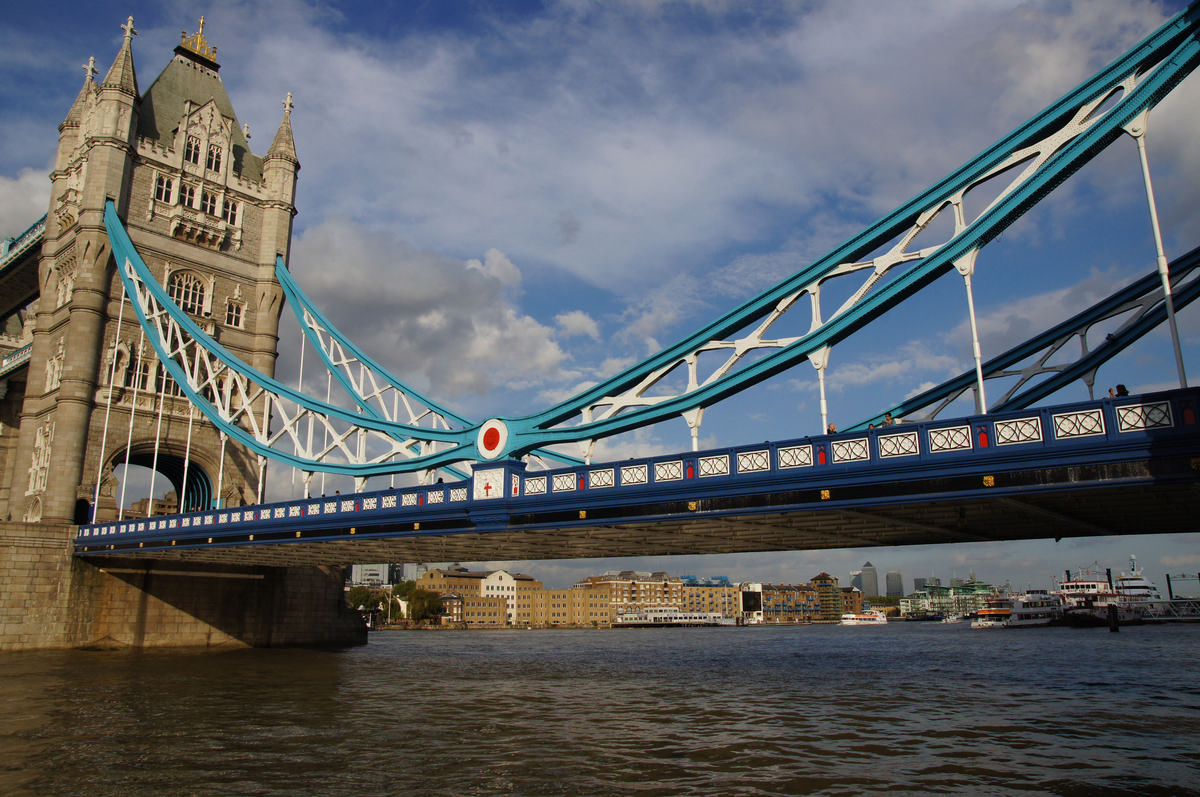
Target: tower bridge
(141,328)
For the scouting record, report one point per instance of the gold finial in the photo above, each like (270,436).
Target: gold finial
(197,43)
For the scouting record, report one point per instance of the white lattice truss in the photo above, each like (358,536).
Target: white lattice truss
(372,388)
(1020,166)
(267,416)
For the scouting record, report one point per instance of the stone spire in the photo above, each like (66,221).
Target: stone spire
(75,115)
(283,146)
(122,75)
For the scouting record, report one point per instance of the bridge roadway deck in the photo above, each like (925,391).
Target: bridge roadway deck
(1112,466)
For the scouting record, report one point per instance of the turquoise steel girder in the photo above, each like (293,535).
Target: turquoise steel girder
(1142,300)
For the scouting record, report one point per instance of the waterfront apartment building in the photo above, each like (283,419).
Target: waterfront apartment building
(632,590)
(581,605)
(480,611)
(788,603)
(515,590)
(711,595)
(964,598)
(830,597)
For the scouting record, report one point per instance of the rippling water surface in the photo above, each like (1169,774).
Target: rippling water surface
(911,708)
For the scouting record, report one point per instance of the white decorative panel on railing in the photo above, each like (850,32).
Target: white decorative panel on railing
(1084,423)
(905,444)
(753,461)
(1136,417)
(1021,430)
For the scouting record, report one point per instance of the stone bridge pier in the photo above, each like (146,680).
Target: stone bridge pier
(51,599)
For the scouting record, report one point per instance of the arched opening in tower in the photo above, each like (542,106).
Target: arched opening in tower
(163,481)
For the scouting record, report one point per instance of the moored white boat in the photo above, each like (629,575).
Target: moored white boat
(1134,588)
(1037,607)
(868,617)
(995,613)
(667,616)
(1089,599)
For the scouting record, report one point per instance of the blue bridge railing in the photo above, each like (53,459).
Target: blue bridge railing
(497,494)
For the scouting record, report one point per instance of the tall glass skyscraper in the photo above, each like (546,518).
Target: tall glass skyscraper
(867,580)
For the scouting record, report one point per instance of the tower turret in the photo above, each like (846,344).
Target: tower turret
(209,217)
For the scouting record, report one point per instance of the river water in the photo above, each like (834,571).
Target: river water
(910,708)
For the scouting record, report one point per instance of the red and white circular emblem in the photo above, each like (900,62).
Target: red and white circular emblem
(493,437)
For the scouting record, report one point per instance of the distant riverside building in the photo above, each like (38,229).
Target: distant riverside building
(480,599)
(866,580)
(895,584)
(369,575)
(509,596)
(716,594)
(964,598)
(167,505)
(856,579)
(853,600)
(830,596)
(787,603)
(633,590)
(588,605)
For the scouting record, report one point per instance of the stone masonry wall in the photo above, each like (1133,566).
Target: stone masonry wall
(49,599)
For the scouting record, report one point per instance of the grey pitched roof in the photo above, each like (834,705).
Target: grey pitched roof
(190,77)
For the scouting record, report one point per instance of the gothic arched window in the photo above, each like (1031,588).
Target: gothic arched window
(187,291)
(213,162)
(191,150)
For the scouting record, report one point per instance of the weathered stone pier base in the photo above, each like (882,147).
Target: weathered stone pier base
(50,599)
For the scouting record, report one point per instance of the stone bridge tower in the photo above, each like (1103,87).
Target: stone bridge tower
(209,217)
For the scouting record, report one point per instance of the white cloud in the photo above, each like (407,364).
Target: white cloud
(577,323)
(440,324)
(497,265)
(23,201)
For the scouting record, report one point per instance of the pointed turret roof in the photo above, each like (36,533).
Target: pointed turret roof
(283,145)
(191,77)
(122,75)
(75,115)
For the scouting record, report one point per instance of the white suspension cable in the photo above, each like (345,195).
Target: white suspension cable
(966,267)
(1137,129)
(112,374)
(162,398)
(187,455)
(137,381)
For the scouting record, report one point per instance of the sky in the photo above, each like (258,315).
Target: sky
(504,202)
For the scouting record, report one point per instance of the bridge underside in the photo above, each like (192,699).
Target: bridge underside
(736,525)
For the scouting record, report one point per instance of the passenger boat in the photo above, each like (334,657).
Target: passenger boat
(1134,587)
(994,613)
(668,616)
(868,617)
(1037,607)
(1089,598)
